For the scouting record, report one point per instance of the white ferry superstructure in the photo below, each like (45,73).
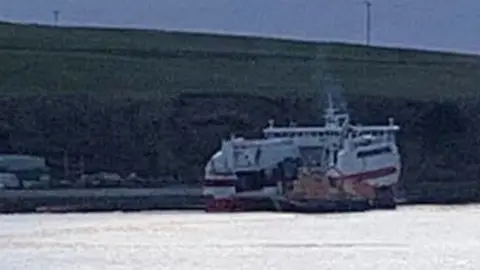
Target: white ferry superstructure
(331,167)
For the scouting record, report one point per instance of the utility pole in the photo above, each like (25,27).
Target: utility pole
(56,15)
(368,21)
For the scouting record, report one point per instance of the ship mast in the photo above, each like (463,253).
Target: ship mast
(337,121)
(334,118)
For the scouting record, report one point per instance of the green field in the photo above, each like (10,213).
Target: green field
(42,59)
(148,127)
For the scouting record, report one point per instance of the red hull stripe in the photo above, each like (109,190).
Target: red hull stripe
(219,183)
(223,174)
(368,175)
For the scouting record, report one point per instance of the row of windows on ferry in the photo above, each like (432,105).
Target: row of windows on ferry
(314,160)
(326,133)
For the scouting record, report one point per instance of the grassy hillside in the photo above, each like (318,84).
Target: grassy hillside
(159,102)
(47,59)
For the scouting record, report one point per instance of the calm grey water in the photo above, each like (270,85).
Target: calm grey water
(425,237)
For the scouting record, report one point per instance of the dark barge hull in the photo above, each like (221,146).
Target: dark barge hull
(325,206)
(292,206)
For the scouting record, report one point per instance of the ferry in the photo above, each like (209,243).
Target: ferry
(337,166)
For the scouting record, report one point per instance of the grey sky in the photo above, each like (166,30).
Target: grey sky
(433,24)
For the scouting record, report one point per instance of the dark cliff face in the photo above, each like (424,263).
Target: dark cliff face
(439,141)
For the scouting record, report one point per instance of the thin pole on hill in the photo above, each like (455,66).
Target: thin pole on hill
(56,15)
(368,21)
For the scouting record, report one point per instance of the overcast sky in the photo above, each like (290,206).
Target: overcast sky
(434,24)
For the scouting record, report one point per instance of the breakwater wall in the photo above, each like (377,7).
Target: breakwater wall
(189,198)
(92,200)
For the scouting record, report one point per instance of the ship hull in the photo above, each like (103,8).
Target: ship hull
(385,200)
